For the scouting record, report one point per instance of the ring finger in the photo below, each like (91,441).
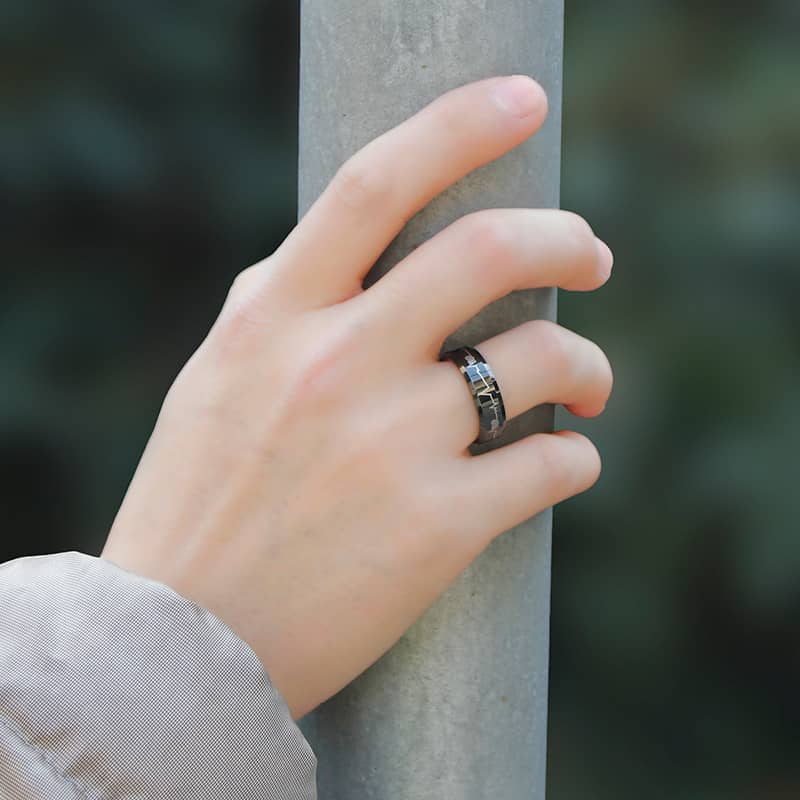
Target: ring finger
(536,362)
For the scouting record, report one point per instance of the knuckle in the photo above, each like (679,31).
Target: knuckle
(551,345)
(604,369)
(361,181)
(241,313)
(241,283)
(492,246)
(581,238)
(253,307)
(489,233)
(592,368)
(574,360)
(591,463)
(578,227)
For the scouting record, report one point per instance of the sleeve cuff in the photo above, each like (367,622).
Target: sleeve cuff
(125,689)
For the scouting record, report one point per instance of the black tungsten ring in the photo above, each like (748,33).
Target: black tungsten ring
(485,390)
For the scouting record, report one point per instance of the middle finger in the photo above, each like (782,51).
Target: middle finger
(478,259)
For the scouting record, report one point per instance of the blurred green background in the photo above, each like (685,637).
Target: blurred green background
(148,153)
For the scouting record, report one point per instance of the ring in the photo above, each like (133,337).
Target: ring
(485,391)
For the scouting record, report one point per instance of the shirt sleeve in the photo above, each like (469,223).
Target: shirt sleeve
(114,687)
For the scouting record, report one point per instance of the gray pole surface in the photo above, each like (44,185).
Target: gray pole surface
(457,710)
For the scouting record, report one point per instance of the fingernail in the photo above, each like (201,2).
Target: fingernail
(518,95)
(606,257)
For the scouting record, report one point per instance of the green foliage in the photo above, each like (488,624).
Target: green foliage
(675,581)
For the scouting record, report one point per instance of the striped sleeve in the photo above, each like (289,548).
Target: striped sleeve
(115,687)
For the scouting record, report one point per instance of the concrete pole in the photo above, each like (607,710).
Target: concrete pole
(457,710)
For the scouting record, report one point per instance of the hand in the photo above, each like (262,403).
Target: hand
(309,479)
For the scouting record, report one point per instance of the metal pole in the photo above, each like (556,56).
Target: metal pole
(457,710)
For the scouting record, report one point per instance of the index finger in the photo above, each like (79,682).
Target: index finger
(378,189)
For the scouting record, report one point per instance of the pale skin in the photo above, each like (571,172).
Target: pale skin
(318,501)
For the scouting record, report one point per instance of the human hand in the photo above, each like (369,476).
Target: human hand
(309,478)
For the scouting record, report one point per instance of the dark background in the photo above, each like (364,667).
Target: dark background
(148,153)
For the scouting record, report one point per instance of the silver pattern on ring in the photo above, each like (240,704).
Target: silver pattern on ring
(485,391)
